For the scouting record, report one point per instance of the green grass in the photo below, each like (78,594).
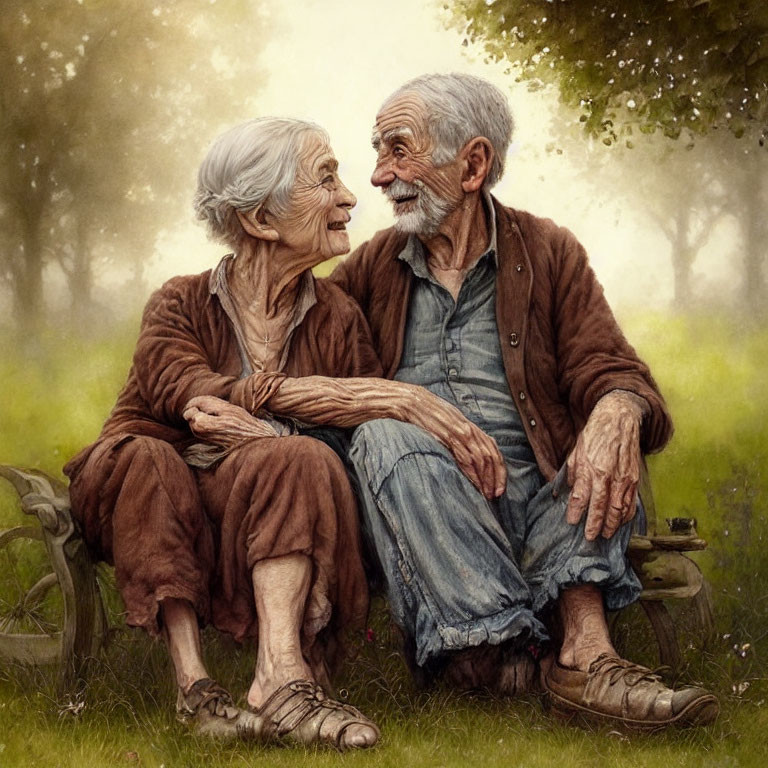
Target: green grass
(55,398)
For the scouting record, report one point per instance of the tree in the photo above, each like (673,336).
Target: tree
(656,64)
(104,109)
(685,68)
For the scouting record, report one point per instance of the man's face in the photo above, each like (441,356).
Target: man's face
(318,211)
(422,194)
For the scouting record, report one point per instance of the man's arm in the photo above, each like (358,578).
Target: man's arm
(611,391)
(351,402)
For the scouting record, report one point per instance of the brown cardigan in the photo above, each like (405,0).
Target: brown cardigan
(561,345)
(187,347)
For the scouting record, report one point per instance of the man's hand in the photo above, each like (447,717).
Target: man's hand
(604,467)
(476,453)
(351,402)
(221,423)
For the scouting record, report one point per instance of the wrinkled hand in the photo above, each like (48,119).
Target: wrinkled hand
(221,423)
(604,467)
(353,401)
(476,453)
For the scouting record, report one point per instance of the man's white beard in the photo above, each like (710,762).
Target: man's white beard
(428,212)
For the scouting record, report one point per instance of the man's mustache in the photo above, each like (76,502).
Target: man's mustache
(400,189)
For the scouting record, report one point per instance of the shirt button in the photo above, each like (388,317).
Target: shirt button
(522,395)
(519,267)
(532,422)
(453,372)
(514,339)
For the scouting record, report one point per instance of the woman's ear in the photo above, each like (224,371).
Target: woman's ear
(252,222)
(477,155)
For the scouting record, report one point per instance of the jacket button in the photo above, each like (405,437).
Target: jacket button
(514,339)
(522,395)
(519,267)
(532,422)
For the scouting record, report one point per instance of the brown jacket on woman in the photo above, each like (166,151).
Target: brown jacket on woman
(195,533)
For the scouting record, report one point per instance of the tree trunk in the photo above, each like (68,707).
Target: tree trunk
(682,257)
(80,279)
(753,227)
(28,282)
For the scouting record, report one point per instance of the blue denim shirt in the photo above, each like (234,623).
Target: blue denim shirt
(452,347)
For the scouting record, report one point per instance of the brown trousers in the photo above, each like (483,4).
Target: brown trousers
(172,531)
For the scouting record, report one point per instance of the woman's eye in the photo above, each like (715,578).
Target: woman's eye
(328,180)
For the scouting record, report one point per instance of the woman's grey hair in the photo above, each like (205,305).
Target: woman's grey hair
(461,107)
(249,165)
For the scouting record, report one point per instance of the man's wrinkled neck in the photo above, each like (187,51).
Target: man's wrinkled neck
(462,237)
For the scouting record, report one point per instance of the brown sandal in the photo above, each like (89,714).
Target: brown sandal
(209,710)
(301,711)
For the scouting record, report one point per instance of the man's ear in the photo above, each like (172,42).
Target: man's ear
(477,156)
(253,223)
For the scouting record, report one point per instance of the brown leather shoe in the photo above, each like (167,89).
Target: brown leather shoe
(619,691)
(209,710)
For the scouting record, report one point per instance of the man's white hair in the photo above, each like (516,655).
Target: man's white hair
(249,165)
(459,108)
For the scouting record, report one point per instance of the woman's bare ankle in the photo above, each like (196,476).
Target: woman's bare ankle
(274,672)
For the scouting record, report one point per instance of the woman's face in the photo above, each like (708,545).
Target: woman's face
(318,211)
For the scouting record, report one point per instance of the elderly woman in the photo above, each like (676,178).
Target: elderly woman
(204,488)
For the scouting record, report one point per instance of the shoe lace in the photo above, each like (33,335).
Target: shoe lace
(621,669)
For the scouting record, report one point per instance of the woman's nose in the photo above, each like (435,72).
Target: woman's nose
(346,198)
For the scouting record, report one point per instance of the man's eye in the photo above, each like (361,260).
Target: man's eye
(398,152)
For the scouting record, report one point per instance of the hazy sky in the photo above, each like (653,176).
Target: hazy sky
(334,62)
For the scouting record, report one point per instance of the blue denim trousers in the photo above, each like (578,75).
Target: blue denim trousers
(461,570)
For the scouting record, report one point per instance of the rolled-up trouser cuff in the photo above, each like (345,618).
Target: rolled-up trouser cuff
(517,625)
(618,591)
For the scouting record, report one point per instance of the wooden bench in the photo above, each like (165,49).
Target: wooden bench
(82,623)
(665,572)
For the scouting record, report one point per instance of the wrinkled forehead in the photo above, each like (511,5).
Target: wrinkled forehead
(315,153)
(403,117)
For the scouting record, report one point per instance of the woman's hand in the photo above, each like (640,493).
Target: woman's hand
(604,466)
(216,421)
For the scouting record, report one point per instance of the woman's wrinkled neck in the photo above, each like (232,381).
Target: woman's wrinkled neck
(265,277)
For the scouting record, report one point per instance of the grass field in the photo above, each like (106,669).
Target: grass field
(54,399)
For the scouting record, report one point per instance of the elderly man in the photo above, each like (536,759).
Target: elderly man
(498,313)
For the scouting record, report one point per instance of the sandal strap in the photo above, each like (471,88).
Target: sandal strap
(304,703)
(202,693)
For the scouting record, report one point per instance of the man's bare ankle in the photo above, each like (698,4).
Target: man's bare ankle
(580,657)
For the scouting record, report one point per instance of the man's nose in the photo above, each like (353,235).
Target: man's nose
(383,175)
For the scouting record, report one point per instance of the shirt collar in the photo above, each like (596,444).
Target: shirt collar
(413,251)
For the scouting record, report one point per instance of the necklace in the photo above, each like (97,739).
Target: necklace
(257,362)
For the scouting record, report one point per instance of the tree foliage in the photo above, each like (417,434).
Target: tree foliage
(670,65)
(104,110)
